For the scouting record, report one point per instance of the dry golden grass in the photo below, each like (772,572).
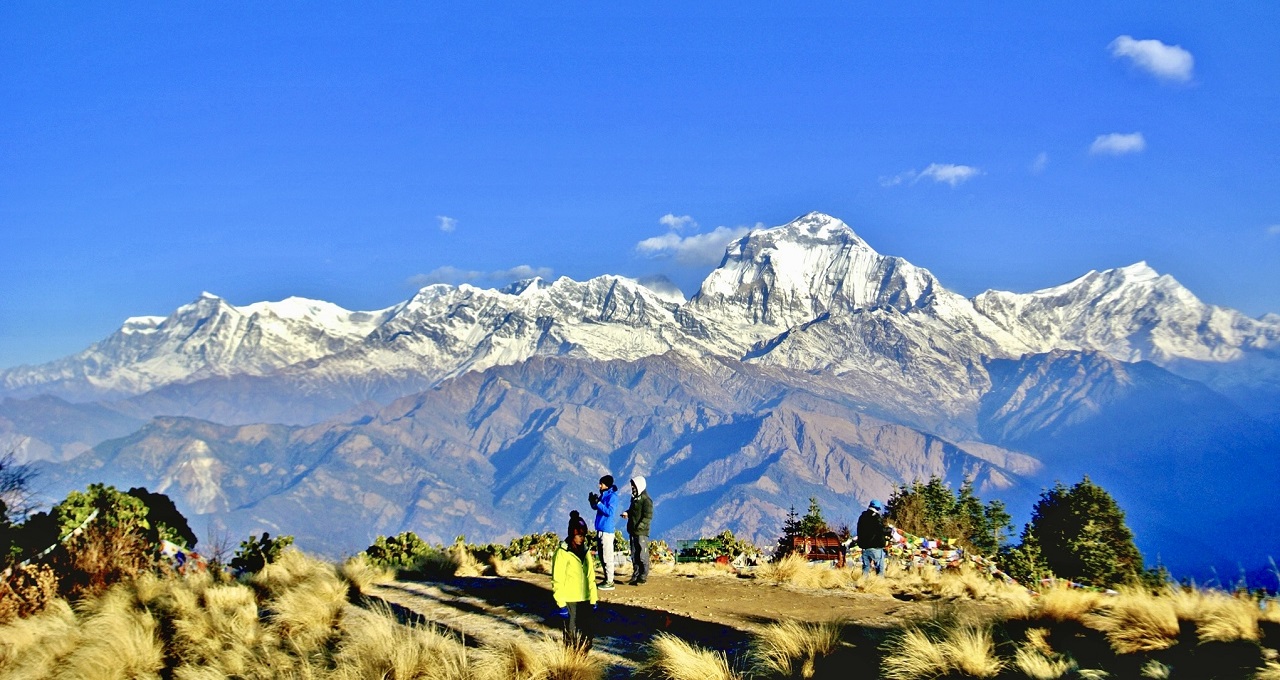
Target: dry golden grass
(290,621)
(696,569)
(1224,618)
(912,654)
(671,658)
(955,647)
(543,659)
(374,645)
(465,564)
(1034,662)
(792,648)
(1155,670)
(1269,671)
(362,575)
(972,651)
(794,570)
(30,647)
(1136,622)
(117,644)
(1063,603)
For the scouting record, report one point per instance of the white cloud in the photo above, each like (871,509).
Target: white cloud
(446,274)
(946,173)
(1040,163)
(447,224)
(676,223)
(454,276)
(694,249)
(1118,144)
(951,174)
(519,273)
(1167,62)
(1273,230)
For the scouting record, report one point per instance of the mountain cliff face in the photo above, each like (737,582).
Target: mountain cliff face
(807,364)
(513,449)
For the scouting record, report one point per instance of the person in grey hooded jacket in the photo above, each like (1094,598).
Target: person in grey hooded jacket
(639,517)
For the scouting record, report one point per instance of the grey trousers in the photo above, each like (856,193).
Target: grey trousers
(639,558)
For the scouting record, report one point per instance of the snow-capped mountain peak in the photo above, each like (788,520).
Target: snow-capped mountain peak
(810,294)
(1131,313)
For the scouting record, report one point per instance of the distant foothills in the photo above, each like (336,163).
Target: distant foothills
(807,365)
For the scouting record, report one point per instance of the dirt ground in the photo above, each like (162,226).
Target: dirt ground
(714,609)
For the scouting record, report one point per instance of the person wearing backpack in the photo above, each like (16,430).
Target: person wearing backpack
(605,504)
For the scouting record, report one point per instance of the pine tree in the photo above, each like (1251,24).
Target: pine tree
(1080,534)
(790,529)
(813,524)
(932,509)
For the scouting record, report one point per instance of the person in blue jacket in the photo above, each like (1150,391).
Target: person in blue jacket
(605,504)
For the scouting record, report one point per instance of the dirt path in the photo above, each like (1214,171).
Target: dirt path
(717,611)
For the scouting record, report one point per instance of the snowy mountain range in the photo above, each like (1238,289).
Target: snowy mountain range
(789,296)
(808,307)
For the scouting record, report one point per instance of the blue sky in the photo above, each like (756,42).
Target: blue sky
(349,153)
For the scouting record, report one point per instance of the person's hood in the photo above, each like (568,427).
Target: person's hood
(640,484)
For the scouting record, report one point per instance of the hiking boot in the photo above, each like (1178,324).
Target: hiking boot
(608,585)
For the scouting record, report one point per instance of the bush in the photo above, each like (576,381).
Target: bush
(28,589)
(256,553)
(1079,533)
(87,556)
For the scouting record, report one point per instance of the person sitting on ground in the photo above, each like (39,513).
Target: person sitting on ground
(573,585)
(605,504)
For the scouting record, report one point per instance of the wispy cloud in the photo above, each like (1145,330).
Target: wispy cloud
(945,173)
(447,224)
(454,276)
(1118,144)
(1273,230)
(694,249)
(1041,163)
(676,222)
(1167,62)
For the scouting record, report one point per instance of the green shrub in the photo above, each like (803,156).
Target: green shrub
(256,553)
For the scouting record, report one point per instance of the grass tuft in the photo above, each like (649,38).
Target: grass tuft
(791,648)
(1137,623)
(543,659)
(942,648)
(671,658)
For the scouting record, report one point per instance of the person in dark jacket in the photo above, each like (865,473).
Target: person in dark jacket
(873,536)
(605,504)
(639,517)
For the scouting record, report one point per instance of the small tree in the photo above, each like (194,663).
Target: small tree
(813,524)
(1080,534)
(932,509)
(790,529)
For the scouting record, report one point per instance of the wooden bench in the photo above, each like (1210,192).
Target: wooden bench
(819,548)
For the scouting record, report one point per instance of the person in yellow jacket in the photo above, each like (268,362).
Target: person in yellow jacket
(573,584)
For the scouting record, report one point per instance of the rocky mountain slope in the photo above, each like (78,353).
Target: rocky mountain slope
(513,449)
(808,364)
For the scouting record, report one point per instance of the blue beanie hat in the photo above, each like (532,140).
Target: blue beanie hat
(876,504)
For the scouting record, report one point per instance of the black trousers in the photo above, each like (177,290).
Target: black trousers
(580,627)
